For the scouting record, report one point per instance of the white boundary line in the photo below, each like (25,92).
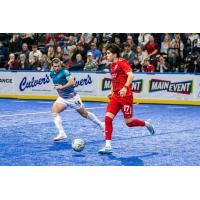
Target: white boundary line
(36,113)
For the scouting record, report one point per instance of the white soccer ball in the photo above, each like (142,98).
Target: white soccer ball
(78,145)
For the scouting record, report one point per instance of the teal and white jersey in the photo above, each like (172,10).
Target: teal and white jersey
(61,78)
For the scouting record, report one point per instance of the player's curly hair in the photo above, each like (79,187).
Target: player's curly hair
(115,49)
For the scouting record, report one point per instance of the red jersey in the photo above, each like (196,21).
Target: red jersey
(118,71)
(149,68)
(150,47)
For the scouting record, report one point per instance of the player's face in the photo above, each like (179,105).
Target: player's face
(57,67)
(110,56)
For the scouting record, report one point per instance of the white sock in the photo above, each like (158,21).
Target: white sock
(94,118)
(58,122)
(146,123)
(108,143)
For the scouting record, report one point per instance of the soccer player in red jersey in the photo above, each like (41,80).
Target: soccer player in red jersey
(121,97)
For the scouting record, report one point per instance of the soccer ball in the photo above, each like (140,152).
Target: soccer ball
(78,145)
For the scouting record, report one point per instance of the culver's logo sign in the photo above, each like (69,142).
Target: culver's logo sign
(25,83)
(83,81)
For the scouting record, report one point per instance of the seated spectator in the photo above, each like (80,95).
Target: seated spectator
(67,62)
(95,52)
(87,37)
(151,47)
(25,50)
(70,43)
(140,54)
(162,65)
(34,50)
(3,52)
(78,64)
(15,43)
(131,42)
(27,38)
(35,63)
(147,67)
(193,36)
(73,52)
(23,63)
(81,50)
(91,64)
(85,45)
(143,39)
(118,42)
(59,53)
(103,61)
(104,43)
(51,39)
(128,54)
(50,54)
(12,62)
(136,66)
(45,65)
(177,44)
(165,45)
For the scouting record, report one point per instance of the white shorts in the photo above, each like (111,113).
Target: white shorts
(74,102)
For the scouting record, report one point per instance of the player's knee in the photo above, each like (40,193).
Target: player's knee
(84,114)
(108,120)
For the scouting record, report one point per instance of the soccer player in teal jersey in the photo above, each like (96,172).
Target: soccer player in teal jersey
(64,84)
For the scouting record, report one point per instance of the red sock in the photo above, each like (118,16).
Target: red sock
(136,122)
(109,127)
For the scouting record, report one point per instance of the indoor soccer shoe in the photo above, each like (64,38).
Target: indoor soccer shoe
(105,150)
(60,137)
(150,127)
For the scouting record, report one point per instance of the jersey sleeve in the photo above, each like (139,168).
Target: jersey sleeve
(125,66)
(51,74)
(67,74)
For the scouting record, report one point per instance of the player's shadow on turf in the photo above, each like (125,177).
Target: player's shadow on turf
(57,146)
(133,160)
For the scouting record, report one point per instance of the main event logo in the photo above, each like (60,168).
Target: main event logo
(137,85)
(185,87)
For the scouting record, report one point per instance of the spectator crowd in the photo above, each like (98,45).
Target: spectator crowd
(145,52)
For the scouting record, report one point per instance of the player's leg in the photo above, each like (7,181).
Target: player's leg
(57,108)
(77,104)
(127,109)
(112,110)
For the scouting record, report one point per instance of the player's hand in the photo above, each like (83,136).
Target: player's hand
(122,92)
(58,87)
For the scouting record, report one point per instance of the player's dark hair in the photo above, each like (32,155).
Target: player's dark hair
(114,49)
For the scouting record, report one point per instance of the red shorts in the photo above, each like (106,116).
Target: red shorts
(125,104)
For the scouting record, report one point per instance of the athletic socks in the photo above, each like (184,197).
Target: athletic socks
(58,123)
(108,127)
(94,119)
(136,122)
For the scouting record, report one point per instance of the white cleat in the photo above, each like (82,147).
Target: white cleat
(150,127)
(60,137)
(105,150)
